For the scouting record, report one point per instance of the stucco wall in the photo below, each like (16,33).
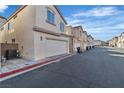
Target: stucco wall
(41,21)
(25,21)
(41,18)
(28,40)
(40,44)
(21,31)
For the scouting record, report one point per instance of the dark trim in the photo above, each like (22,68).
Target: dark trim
(79,27)
(48,38)
(60,14)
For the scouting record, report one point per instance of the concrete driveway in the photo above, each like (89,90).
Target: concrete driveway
(99,67)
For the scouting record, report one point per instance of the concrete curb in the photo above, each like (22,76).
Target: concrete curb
(14,73)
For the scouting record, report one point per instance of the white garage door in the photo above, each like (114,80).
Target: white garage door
(76,45)
(55,47)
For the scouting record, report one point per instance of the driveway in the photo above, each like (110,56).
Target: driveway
(99,67)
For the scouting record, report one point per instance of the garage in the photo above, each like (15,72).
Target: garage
(56,47)
(76,45)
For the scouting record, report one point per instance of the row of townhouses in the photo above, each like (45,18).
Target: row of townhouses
(117,41)
(38,32)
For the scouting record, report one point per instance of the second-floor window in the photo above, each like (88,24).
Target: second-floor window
(10,26)
(62,27)
(50,17)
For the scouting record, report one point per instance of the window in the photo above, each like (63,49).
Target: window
(50,17)
(62,27)
(10,25)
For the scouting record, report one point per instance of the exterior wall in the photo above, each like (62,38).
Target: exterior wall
(84,40)
(30,44)
(41,21)
(113,42)
(68,31)
(40,45)
(41,18)
(119,42)
(77,38)
(21,31)
(25,35)
(80,38)
(0,36)
(90,40)
(122,40)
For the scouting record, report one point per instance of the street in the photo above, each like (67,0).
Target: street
(98,67)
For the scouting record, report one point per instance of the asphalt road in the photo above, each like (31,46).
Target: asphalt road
(99,67)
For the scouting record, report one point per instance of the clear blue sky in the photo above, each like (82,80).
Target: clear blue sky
(102,22)
(6,11)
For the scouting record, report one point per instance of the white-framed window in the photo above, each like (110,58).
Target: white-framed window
(10,26)
(62,27)
(50,16)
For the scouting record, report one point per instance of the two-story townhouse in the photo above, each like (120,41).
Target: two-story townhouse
(113,42)
(36,31)
(69,32)
(122,39)
(78,37)
(90,41)
(119,42)
(85,41)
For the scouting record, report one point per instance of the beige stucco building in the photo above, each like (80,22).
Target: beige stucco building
(117,41)
(90,41)
(85,39)
(113,42)
(37,31)
(69,32)
(120,42)
(78,38)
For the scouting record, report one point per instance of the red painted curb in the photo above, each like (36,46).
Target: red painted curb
(28,67)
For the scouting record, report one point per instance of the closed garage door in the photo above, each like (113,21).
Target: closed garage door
(55,47)
(76,45)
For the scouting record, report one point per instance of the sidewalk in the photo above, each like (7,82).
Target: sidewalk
(19,66)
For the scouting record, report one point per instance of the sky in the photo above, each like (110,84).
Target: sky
(102,22)
(7,10)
